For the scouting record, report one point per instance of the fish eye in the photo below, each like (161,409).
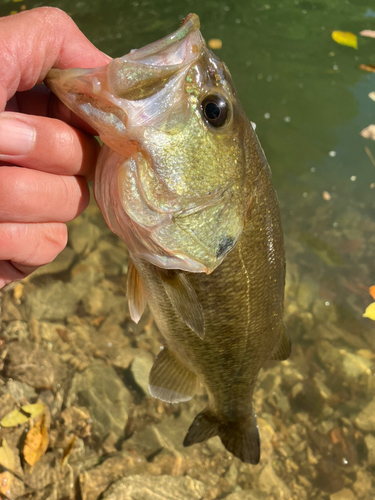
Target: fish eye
(215,110)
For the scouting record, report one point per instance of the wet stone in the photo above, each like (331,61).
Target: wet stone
(60,264)
(370,445)
(248,495)
(156,488)
(16,330)
(83,235)
(95,481)
(366,418)
(54,302)
(30,364)
(21,391)
(344,494)
(102,392)
(271,483)
(140,369)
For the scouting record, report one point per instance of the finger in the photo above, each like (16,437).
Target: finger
(34,41)
(9,273)
(46,144)
(27,195)
(40,101)
(32,244)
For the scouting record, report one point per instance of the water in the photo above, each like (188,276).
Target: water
(66,330)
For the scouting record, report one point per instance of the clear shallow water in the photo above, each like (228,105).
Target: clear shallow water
(309,101)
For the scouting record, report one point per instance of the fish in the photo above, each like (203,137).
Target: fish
(183,180)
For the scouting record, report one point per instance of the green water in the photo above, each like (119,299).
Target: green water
(309,100)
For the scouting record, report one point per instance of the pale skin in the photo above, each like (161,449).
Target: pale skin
(47,155)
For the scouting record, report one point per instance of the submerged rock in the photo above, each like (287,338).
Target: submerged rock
(366,418)
(102,392)
(155,488)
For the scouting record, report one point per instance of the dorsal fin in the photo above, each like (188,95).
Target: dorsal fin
(184,299)
(170,380)
(135,292)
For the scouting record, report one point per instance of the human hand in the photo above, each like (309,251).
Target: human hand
(47,154)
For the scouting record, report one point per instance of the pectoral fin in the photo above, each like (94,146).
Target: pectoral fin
(170,380)
(283,349)
(184,299)
(135,293)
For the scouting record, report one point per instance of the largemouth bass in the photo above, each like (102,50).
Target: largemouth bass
(183,181)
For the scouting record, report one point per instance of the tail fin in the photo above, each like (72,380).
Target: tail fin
(238,437)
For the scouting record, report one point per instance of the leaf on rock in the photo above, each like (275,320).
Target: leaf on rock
(370,312)
(345,38)
(22,415)
(7,461)
(372,291)
(369,33)
(368,132)
(367,67)
(67,451)
(36,442)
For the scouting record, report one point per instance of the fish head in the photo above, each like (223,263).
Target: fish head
(171,180)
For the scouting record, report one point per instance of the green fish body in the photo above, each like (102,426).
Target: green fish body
(182,179)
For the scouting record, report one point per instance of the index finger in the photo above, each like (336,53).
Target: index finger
(32,42)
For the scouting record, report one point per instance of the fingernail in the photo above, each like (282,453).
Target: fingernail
(16,137)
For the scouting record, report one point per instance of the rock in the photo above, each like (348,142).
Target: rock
(21,391)
(370,445)
(247,495)
(140,369)
(28,363)
(344,494)
(83,235)
(355,366)
(366,418)
(156,488)
(174,429)
(54,301)
(100,301)
(271,483)
(363,483)
(15,330)
(103,393)
(308,290)
(148,442)
(61,263)
(94,481)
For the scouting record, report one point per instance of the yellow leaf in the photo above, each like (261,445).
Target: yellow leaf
(215,43)
(345,38)
(7,461)
(21,416)
(36,442)
(370,312)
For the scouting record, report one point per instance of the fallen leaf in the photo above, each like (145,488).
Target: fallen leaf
(36,442)
(368,132)
(369,33)
(67,451)
(22,415)
(8,462)
(345,38)
(372,291)
(367,67)
(370,312)
(215,43)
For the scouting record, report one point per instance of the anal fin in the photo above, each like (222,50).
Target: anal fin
(135,292)
(184,299)
(283,348)
(170,380)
